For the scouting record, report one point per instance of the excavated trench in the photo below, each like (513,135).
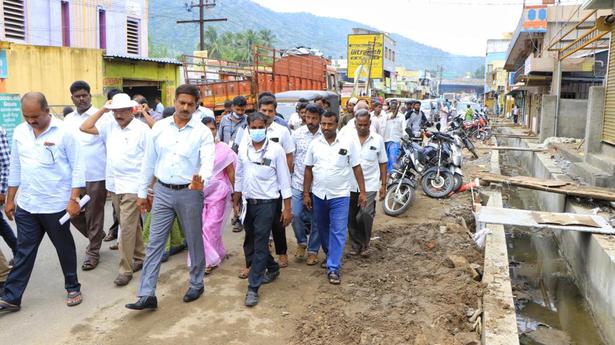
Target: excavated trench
(550,308)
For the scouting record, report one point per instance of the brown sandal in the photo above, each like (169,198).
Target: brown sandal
(74,298)
(244,273)
(210,269)
(89,264)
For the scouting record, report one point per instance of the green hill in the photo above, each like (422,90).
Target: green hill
(290,30)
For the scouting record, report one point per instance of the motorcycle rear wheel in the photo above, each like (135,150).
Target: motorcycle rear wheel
(437,185)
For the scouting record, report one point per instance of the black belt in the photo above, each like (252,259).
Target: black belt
(260,201)
(174,186)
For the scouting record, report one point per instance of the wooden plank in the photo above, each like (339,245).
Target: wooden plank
(527,218)
(511,148)
(518,136)
(553,186)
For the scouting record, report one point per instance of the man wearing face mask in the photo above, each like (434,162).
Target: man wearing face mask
(261,179)
(233,125)
(281,135)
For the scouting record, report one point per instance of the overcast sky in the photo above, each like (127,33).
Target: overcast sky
(457,26)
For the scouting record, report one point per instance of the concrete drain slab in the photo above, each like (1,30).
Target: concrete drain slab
(543,220)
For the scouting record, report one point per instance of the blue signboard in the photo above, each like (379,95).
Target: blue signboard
(4,65)
(10,113)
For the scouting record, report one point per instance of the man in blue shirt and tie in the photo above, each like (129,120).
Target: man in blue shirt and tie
(179,154)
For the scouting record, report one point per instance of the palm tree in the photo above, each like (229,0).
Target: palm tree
(249,38)
(267,37)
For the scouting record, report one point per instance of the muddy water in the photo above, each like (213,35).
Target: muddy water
(545,293)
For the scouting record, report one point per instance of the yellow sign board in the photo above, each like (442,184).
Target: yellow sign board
(365,53)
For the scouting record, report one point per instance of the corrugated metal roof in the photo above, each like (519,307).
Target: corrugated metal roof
(143,58)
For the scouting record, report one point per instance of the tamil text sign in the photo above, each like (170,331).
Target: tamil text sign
(10,113)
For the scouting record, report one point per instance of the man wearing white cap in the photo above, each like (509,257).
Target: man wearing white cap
(125,141)
(349,113)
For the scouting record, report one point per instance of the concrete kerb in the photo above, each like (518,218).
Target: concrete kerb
(591,257)
(499,319)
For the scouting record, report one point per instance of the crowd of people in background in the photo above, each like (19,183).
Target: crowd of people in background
(176,176)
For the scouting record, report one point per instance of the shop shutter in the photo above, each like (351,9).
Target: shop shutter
(14,20)
(608,132)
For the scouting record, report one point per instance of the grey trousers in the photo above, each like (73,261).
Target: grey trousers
(188,205)
(361,221)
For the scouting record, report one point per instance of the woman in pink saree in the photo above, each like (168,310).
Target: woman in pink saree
(217,206)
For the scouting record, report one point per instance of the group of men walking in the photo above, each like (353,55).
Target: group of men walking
(322,180)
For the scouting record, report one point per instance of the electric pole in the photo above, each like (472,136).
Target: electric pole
(202,5)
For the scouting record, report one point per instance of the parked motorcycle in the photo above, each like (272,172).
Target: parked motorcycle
(438,164)
(456,128)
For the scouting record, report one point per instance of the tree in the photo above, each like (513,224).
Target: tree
(267,37)
(479,73)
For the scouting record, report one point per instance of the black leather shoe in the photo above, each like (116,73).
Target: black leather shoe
(193,294)
(251,298)
(144,302)
(269,276)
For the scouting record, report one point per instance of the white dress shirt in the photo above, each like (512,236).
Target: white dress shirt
(373,153)
(175,154)
(125,153)
(276,133)
(92,146)
(302,138)
(262,174)
(295,121)
(381,120)
(351,128)
(45,168)
(331,166)
(394,130)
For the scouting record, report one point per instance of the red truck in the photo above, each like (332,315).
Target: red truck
(271,70)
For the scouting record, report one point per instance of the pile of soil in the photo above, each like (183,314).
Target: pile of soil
(407,291)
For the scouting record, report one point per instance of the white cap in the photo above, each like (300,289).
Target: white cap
(353,100)
(121,101)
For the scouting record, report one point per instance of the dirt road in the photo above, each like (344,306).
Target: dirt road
(405,293)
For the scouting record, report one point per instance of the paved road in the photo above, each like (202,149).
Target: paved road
(217,318)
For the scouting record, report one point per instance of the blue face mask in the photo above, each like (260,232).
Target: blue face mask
(258,135)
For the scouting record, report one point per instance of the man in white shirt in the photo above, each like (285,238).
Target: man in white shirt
(379,116)
(180,154)
(262,178)
(90,223)
(125,139)
(297,119)
(393,134)
(328,165)
(349,129)
(302,217)
(158,109)
(48,172)
(374,167)
(281,135)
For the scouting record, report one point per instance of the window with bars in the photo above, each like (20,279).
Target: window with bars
(14,19)
(132,36)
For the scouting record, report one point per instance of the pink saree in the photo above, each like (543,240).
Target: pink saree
(217,206)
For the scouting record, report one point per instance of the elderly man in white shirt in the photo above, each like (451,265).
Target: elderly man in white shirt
(90,223)
(329,164)
(180,154)
(281,135)
(262,178)
(373,164)
(125,140)
(48,172)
